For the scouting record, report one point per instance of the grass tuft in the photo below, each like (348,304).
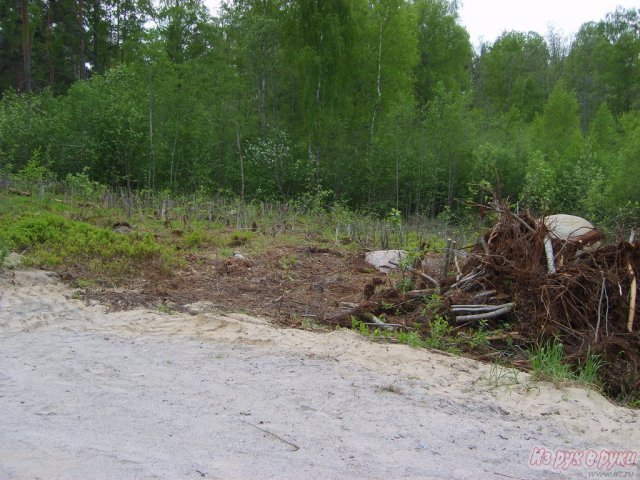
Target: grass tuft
(548,363)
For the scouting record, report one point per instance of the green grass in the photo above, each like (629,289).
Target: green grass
(74,235)
(588,372)
(4,251)
(548,363)
(501,376)
(440,336)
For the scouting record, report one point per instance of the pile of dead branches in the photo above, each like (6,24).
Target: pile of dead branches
(578,291)
(581,293)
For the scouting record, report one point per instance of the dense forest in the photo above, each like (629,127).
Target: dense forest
(377,103)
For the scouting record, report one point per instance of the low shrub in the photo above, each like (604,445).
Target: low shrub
(53,241)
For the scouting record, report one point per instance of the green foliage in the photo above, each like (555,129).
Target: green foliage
(288,262)
(556,133)
(36,169)
(448,148)
(198,237)
(602,64)
(240,238)
(53,241)
(627,167)
(500,376)
(274,168)
(4,251)
(80,184)
(440,334)
(513,74)
(586,191)
(406,284)
(410,338)
(444,48)
(360,327)
(27,130)
(381,103)
(540,185)
(432,305)
(548,363)
(497,168)
(588,372)
(480,337)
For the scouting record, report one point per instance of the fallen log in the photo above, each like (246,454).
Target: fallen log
(478,308)
(19,192)
(486,315)
(485,294)
(419,293)
(375,321)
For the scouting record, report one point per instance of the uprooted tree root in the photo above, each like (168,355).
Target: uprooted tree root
(586,303)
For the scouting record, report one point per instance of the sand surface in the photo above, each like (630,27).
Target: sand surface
(88,394)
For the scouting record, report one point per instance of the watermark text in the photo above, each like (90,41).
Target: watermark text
(602,460)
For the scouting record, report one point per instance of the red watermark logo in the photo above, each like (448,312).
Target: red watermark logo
(542,457)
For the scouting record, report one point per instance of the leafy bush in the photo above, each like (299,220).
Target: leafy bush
(240,238)
(80,184)
(37,168)
(197,237)
(440,334)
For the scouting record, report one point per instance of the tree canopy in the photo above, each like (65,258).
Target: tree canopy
(382,103)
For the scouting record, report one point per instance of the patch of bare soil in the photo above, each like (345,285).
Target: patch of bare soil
(287,284)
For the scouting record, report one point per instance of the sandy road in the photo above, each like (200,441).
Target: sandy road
(135,395)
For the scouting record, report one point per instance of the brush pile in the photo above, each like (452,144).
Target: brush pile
(583,296)
(544,287)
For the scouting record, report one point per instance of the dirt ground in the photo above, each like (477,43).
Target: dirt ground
(90,393)
(285,283)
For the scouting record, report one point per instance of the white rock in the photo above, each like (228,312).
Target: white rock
(383,260)
(567,227)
